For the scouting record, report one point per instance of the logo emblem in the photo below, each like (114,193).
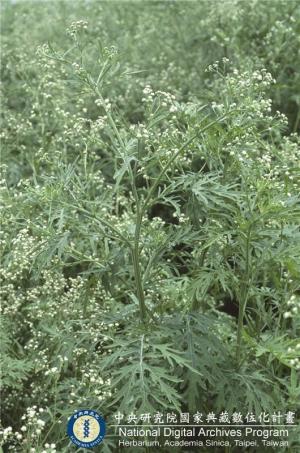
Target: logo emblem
(86,429)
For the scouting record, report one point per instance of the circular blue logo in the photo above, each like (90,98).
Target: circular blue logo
(86,429)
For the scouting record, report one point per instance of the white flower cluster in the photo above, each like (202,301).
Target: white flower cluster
(295,362)
(79,70)
(141,131)
(31,430)
(98,124)
(105,103)
(294,307)
(166,99)
(76,27)
(42,50)
(47,448)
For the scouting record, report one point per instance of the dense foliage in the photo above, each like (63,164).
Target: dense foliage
(150,229)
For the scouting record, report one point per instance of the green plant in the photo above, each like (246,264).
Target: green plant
(151,227)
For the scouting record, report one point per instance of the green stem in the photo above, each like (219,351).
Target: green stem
(242,308)
(137,268)
(295,128)
(135,251)
(244,297)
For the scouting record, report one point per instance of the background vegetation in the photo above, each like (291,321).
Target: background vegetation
(150,229)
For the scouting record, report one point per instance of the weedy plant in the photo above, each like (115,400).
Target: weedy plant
(151,228)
